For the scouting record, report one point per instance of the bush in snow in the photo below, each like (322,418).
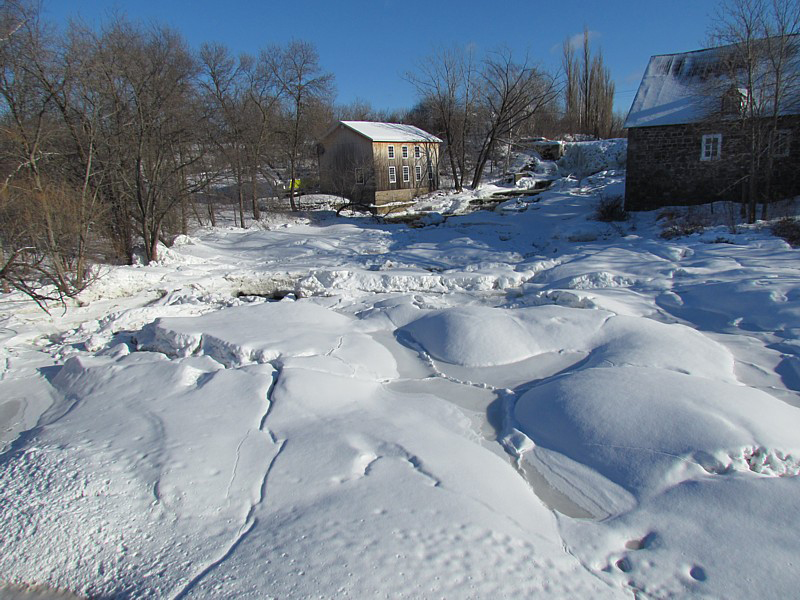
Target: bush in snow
(677,222)
(611,209)
(789,229)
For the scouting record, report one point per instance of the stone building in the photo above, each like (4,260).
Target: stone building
(382,166)
(688,142)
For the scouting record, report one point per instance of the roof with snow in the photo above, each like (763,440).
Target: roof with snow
(390,132)
(685,88)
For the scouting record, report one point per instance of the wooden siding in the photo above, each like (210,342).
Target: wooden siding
(343,150)
(429,155)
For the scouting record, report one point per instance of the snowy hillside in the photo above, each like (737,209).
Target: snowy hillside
(518,403)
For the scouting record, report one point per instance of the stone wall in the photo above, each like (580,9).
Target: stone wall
(664,165)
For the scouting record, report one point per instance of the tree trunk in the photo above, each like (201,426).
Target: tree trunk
(153,247)
(453,168)
(254,193)
(5,287)
(240,193)
(212,217)
(291,183)
(483,158)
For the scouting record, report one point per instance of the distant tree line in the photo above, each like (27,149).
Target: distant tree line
(483,106)
(108,137)
(588,90)
(113,139)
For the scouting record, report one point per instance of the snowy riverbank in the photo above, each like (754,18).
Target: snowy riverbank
(518,402)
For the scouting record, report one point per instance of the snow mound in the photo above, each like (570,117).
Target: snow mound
(585,158)
(636,425)
(483,337)
(757,304)
(247,334)
(633,341)
(270,332)
(472,336)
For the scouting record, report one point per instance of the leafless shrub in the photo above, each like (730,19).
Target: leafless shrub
(681,222)
(788,228)
(611,209)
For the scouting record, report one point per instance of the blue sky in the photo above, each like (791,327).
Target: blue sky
(369,44)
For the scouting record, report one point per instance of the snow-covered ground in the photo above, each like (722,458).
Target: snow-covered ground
(518,403)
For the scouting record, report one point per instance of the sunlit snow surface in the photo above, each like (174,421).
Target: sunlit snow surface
(519,403)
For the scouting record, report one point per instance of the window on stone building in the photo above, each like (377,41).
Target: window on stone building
(781,141)
(733,102)
(711,147)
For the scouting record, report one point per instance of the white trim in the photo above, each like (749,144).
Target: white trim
(711,147)
(406,173)
(417,151)
(390,151)
(392,174)
(418,173)
(404,151)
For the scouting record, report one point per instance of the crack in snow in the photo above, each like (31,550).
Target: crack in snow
(240,537)
(236,464)
(249,522)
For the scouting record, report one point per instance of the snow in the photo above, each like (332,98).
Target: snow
(390,132)
(508,403)
(668,98)
(675,88)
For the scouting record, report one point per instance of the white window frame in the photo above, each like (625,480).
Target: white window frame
(390,150)
(392,174)
(404,151)
(406,173)
(711,147)
(781,143)
(359,176)
(418,173)
(417,152)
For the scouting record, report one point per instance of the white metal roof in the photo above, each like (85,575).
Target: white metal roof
(676,89)
(390,132)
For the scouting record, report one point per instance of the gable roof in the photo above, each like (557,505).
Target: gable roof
(675,88)
(389,132)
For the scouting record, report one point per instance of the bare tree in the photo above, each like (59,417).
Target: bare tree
(150,82)
(512,93)
(358,110)
(572,94)
(46,211)
(760,71)
(260,113)
(297,70)
(588,90)
(446,82)
(223,84)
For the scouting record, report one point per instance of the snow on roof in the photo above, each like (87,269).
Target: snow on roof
(676,88)
(390,132)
